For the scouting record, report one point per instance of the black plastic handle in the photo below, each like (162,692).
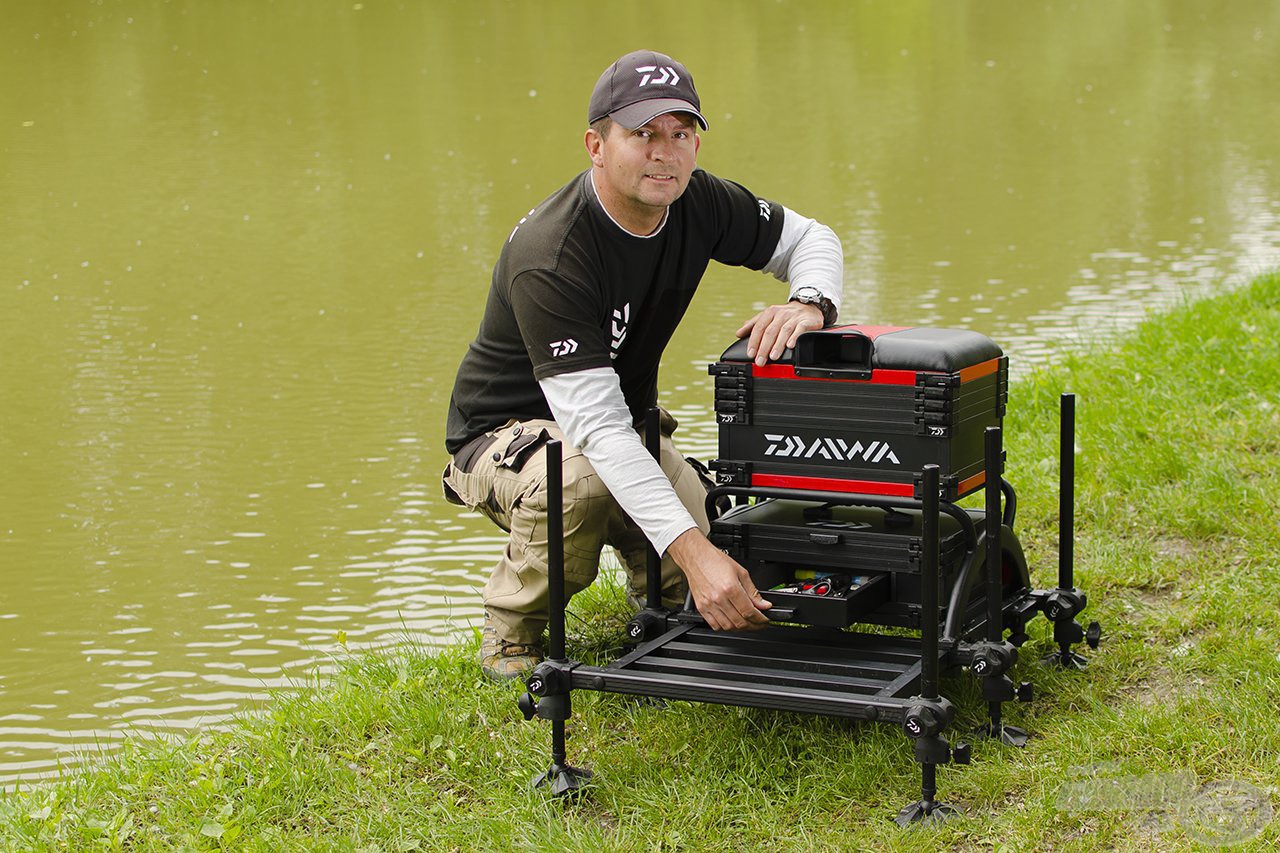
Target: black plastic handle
(781,614)
(835,355)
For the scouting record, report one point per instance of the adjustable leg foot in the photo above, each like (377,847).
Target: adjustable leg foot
(1007,735)
(1066,659)
(564,781)
(931,750)
(925,811)
(1066,633)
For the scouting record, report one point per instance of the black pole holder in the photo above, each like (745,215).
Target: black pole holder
(550,680)
(1066,601)
(930,714)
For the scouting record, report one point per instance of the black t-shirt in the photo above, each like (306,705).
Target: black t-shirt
(573,291)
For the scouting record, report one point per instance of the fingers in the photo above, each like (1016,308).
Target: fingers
(736,607)
(721,587)
(778,328)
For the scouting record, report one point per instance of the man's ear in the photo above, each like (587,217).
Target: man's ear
(594,143)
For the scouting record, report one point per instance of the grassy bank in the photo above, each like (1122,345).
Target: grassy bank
(1178,548)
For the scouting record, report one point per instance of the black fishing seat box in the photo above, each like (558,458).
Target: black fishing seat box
(849,454)
(861,409)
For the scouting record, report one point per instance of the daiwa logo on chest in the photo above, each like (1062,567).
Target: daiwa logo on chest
(834,449)
(621,317)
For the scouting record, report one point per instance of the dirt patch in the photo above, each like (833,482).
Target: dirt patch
(1165,687)
(1179,549)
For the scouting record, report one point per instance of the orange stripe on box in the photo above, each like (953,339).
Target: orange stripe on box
(977,371)
(969,484)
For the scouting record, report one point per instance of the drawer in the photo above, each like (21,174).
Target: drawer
(833,611)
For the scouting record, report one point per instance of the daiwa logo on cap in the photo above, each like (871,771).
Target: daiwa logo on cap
(835,449)
(669,75)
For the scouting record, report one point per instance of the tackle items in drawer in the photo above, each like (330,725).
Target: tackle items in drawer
(823,584)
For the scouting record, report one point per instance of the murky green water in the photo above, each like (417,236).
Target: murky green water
(245,244)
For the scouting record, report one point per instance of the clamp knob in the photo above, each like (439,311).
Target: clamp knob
(990,659)
(1062,605)
(1093,635)
(644,625)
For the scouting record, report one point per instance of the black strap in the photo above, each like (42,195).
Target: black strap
(465,459)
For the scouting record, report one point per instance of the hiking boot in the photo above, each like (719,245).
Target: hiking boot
(501,660)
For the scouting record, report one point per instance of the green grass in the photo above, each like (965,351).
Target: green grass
(1178,549)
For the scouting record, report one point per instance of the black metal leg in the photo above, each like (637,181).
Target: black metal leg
(929,714)
(993,658)
(550,680)
(653,563)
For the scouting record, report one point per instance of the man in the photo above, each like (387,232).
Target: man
(586,293)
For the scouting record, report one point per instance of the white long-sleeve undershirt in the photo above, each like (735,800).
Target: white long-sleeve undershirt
(808,255)
(591,410)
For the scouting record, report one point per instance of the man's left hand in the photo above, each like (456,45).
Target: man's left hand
(777,328)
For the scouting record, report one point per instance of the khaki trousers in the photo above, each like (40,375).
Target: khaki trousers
(508,484)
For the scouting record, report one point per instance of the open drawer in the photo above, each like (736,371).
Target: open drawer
(839,608)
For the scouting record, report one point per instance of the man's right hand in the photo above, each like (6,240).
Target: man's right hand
(721,588)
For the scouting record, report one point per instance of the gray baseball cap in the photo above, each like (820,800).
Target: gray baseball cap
(641,86)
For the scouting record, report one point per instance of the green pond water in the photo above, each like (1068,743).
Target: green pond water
(245,244)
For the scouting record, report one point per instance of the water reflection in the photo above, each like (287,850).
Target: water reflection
(244,252)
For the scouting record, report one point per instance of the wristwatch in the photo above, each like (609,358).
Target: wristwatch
(813,296)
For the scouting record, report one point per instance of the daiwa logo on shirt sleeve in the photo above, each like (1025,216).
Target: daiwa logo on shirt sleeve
(565,347)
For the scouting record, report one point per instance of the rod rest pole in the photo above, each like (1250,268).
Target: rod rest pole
(929,714)
(993,658)
(929,586)
(1066,492)
(550,678)
(555,585)
(995,581)
(555,551)
(1066,602)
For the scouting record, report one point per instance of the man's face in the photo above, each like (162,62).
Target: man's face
(640,172)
